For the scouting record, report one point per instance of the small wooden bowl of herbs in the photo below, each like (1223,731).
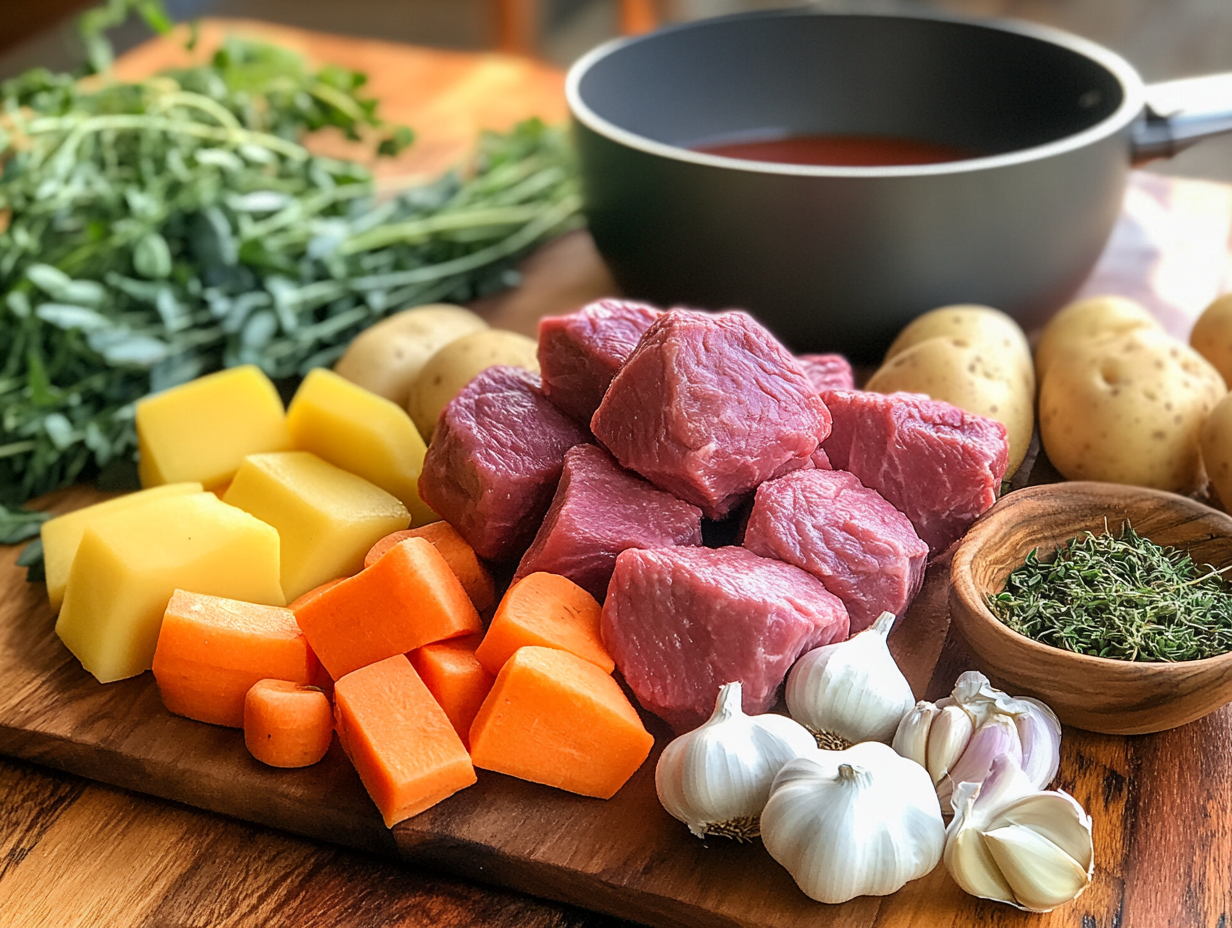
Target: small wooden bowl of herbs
(1108,602)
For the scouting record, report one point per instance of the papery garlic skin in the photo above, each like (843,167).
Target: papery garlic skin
(859,822)
(852,690)
(1015,844)
(962,734)
(716,778)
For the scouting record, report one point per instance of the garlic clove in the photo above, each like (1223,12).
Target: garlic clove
(997,736)
(1039,730)
(948,739)
(911,737)
(1004,785)
(1041,875)
(1058,817)
(966,856)
(852,691)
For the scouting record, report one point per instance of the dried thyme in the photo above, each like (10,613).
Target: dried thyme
(1119,596)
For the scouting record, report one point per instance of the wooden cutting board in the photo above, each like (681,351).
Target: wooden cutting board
(1162,804)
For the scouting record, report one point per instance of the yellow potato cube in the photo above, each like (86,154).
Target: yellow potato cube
(327,518)
(130,562)
(62,535)
(360,432)
(203,430)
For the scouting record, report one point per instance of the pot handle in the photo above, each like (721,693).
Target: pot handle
(1180,113)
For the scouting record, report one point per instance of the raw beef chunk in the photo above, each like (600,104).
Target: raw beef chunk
(681,622)
(494,460)
(579,353)
(828,371)
(844,534)
(820,460)
(599,510)
(707,407)
(939,466)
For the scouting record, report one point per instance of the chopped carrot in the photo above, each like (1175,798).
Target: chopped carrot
(460,556)
(212,650)
(557,719)
(549,611)
(405,600)
(313,593)
(455,678)
(400,741)
(287,724)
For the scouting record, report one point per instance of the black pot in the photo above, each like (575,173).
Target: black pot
(840,258)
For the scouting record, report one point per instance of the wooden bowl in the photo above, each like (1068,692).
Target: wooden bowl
(1093,693)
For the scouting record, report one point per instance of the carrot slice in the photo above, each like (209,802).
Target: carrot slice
(401,742)
(287,724)
(313,593)
(557,719)
(549,611)
(212,650)
(405,600)
(461,557)
(455,678)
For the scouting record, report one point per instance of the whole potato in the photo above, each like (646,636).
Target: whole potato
(978,325)
(1212,335)
(971,376)
(456,364)
(386,357)
(1129,410)
(1217,449)
(1084,321)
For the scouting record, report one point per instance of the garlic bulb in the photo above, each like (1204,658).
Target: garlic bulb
(852,691)
(1014,843)
(959,737)
(860,822)
(716,778)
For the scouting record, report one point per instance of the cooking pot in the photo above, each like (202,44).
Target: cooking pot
(840,258)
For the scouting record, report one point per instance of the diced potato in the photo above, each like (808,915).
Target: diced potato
(130,562)
(326,517)
(203,430)
(62,535)
(360,432)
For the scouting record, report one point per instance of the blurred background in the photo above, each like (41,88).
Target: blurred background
(1163,38)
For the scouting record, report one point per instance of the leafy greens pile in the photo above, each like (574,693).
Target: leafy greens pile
(154,231)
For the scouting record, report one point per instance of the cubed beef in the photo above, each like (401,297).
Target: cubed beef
(821,460)
(938,465)
(681,622)
(828,371)
(844,534)
(494,461)
(599,510)
(709,406)
(579,353)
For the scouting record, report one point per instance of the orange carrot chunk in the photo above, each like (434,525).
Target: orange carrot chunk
(313,593)
(460,556)
(455,678)
(545,610)
(212,650)
(557,719)
(401,742)
(405,600)
(287,724)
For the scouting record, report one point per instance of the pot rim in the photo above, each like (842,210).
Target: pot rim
(1133,102)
